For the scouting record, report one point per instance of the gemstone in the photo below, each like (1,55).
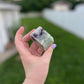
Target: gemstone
(42,37)
(35,35)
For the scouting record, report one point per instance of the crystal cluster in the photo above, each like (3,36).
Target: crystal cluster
(42,38)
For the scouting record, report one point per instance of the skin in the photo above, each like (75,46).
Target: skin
(35,64)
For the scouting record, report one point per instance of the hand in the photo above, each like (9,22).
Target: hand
(35,66)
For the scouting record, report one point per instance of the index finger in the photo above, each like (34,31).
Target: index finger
(27,38)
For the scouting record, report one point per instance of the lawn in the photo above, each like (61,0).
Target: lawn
(67,63)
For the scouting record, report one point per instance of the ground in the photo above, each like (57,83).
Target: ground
(67,63)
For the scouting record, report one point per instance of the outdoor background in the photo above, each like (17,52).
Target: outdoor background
(64,24)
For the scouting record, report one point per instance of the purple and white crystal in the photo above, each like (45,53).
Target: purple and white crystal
(42,37)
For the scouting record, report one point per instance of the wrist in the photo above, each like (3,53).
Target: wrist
(29,81)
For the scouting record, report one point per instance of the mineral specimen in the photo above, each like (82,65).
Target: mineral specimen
(42,38)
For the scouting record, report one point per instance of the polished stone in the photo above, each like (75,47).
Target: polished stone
(42,38)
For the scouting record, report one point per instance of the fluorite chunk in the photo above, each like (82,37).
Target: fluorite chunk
(42,38)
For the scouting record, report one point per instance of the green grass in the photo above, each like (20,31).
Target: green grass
(67,63)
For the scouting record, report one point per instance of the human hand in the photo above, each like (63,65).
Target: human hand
(35,66)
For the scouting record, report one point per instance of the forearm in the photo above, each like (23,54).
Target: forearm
(29,81)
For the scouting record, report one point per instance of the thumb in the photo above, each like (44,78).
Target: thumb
(48,53)
(18,38)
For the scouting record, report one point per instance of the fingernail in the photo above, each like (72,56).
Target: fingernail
(54,46)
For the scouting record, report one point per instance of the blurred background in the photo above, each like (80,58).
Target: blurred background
(63,19)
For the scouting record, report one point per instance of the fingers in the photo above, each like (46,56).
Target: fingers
(34,48)
(27,38)
(39,51)
(48,53)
